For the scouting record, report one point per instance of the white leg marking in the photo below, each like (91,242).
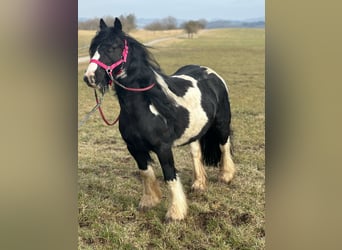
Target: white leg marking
(191,101)
(151,191)
(227,168)
(199,171)
(178,207)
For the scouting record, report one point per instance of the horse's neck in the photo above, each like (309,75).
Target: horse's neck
(131,101)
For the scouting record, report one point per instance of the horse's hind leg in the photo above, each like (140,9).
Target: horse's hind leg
(227,167)
(199,171)
(151,190)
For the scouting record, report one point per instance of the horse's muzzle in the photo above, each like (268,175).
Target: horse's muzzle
(90,81)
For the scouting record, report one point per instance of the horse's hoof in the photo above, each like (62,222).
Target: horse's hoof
(226,177)
(175,214)
(169,220)
(147,202)
(143,209)
(198,187)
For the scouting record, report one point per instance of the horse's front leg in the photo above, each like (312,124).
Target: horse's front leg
(151,190)
(178,206)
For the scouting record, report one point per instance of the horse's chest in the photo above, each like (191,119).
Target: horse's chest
(147,128)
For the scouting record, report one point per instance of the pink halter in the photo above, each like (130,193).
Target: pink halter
(109,69)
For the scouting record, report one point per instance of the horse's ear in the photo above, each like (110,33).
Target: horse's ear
(117,24)
(103,25)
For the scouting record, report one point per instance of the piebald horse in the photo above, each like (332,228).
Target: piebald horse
(159,112)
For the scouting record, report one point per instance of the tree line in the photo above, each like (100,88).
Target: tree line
(129,23)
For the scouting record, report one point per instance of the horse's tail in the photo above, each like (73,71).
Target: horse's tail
(210,147)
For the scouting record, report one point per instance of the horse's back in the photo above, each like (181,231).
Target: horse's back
(204,75)
(195,71)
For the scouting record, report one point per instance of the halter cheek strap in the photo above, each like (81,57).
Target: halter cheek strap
(109,68)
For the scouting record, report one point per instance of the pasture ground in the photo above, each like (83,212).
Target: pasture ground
(225,216)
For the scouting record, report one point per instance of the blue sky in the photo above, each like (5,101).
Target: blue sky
(181,9)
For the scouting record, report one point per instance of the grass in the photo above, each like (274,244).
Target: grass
(225,216)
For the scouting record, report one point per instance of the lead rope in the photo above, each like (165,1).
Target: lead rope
(101,112)
(97,106)
(87,116)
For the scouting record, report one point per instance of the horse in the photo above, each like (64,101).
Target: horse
(160,111)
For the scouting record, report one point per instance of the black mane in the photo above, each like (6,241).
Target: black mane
(140,53)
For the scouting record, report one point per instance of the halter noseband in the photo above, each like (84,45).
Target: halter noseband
(109,69)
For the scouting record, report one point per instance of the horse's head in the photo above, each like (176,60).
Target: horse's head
(108,52)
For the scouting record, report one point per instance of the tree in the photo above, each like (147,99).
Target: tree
(192,27)
(168,23)
(128,22)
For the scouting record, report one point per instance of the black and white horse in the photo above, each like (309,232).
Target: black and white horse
(160,111)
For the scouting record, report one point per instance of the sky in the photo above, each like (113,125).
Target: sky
(180,9)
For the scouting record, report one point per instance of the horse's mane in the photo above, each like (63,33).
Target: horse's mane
(141,63)
(142,51)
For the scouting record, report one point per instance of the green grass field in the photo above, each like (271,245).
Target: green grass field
(225,216)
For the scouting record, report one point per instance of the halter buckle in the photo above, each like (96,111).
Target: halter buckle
(109,73)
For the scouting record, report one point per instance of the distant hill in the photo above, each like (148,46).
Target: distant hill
(234,24)
(248,23)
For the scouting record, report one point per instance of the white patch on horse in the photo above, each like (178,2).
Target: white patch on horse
(210,71)
(153,109)
(92,67)
(156,113)
(190,101)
